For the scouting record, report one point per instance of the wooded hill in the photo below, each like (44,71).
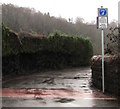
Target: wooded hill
(26,19)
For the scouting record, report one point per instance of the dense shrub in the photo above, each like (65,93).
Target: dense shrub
(55,51)
(113,41)
(74,50)
(10,42)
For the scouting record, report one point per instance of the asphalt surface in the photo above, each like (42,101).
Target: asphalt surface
(63,88)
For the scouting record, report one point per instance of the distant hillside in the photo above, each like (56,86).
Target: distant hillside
(25,19)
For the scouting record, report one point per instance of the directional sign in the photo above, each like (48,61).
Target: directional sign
(102,12)
(102,23)
(102,18)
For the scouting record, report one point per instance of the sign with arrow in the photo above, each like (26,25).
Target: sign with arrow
(102,23)
(102,18)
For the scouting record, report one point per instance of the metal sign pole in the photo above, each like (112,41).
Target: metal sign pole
(102,33)
(102,24)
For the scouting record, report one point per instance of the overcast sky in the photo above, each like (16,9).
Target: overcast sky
(86,9)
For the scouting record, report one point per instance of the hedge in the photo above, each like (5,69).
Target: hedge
(26,52)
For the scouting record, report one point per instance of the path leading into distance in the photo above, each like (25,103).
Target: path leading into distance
(63,88)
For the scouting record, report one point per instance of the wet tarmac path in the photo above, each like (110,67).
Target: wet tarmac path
(63,88)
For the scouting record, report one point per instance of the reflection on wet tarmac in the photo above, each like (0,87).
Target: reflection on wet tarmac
(68,87)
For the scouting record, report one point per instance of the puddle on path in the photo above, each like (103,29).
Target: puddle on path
(64,100)
(53,88)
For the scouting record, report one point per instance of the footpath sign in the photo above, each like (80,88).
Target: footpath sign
(102,18)
(102,23)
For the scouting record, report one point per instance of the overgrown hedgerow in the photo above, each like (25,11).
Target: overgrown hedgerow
(55,51)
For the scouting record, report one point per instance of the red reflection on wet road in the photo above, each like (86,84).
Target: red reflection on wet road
(56,93)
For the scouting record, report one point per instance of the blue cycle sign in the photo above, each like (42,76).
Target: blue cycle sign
(103,12)
(102,19)
(102,23)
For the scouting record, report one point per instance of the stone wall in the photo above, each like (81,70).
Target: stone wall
(112,74)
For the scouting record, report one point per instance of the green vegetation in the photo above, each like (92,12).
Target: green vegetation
(113,41)
(26,52)
(33,21)
(10,42)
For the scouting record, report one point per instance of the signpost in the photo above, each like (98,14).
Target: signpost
(102,23)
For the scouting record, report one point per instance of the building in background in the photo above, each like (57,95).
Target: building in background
(119,12)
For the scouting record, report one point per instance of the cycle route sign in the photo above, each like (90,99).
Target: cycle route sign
(102,18)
